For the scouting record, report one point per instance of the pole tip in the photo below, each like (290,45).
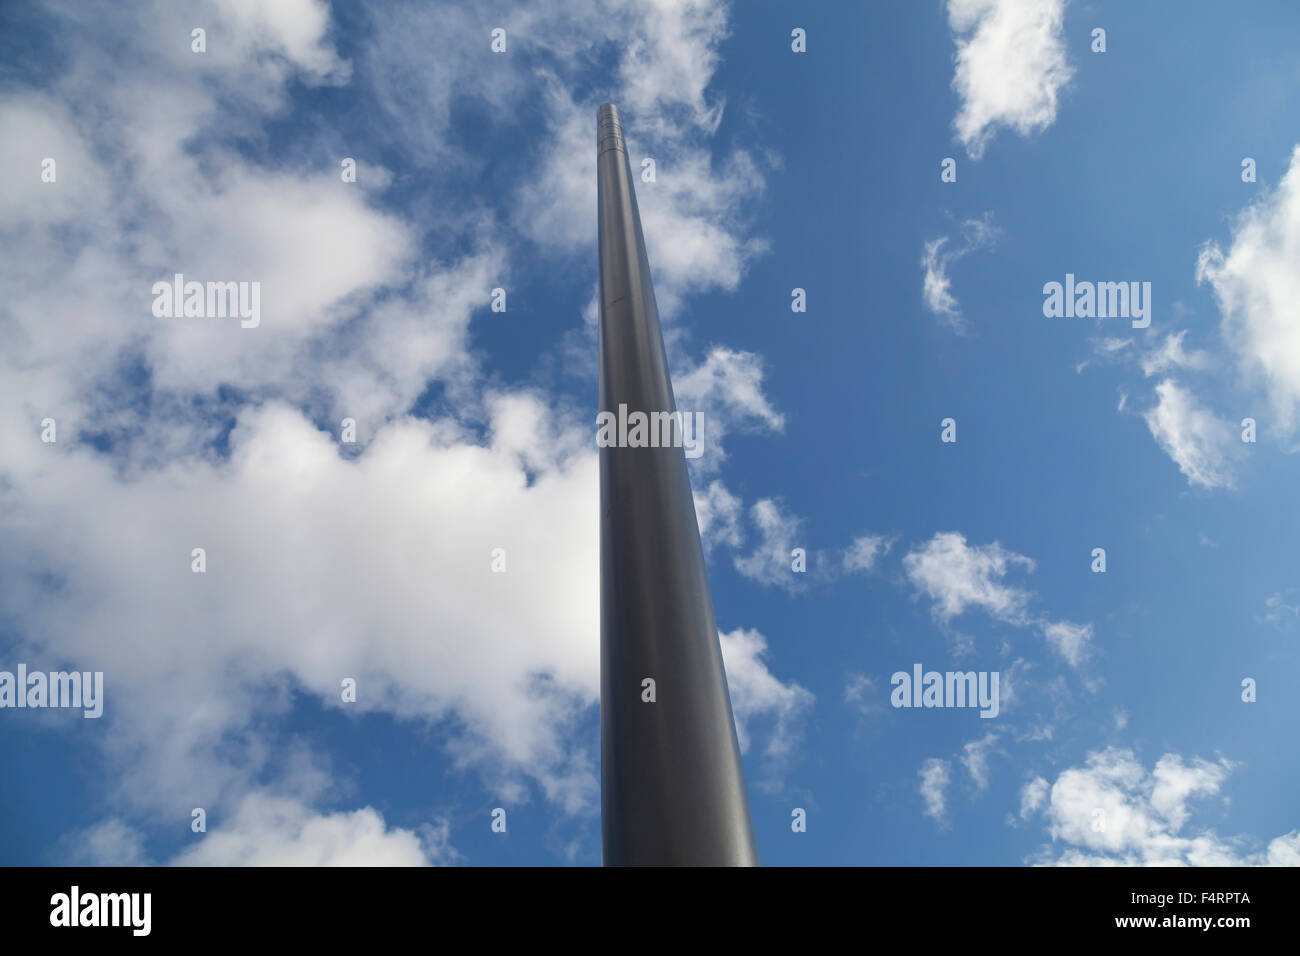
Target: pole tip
(609,129)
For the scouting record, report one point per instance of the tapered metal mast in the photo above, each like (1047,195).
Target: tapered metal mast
(672,785)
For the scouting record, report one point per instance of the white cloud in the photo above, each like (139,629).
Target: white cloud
(267,829)
(324,561)
(935,776)
(1011,66)
(694,221)
(936,286)
(321,567)
(151,183)
(865,552)
(695,214)
(1105,348)
(277,831)
(1171,355)
(108,843)
(1032,796)
(1193,437)
(1014,682)
(1168,356)
(1279,613)
(1257,286)
(770,562)
(862,693)
(957,576)
(727,387)
(1071,641)
(717,511)
(1113,811)
(292,28)
(757,695)
(670,60)
(975,758)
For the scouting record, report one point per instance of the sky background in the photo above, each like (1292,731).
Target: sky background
(1122,736)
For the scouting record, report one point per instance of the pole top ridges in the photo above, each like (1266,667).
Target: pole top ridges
(609,129)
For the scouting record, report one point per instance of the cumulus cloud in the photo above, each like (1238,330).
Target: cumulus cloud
(1011,67)
(268,829)
(325,561)
(150,184)
(670,61)
(1257,287)
(277,831)
(694,214)
(1113,811)
(757,696)
(356,320)
(770,561)
(865,553)
(110,842)
(956,577)
(321,567)
(1196,439)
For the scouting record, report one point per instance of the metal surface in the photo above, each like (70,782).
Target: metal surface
(672,785)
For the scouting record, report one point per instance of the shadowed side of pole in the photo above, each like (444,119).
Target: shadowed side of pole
(672,785)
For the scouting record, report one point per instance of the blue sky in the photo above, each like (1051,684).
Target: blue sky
(1122,735)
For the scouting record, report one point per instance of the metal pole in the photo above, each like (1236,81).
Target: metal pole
(672,785)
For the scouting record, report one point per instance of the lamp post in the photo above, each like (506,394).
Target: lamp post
(672,784)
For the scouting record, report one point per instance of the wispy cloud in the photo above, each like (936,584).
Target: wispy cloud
(1278,612)
(1196,439)
(935,775)
(1171,356)
(936,285)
